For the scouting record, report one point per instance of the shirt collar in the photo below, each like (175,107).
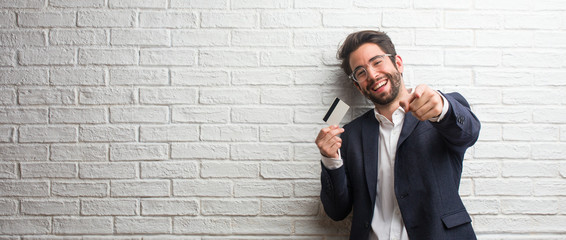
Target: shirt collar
(398,116)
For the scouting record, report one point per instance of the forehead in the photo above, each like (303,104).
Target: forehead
(364,53)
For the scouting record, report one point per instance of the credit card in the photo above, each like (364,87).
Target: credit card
(336,112)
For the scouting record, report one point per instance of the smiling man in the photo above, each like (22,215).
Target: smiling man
(398,166)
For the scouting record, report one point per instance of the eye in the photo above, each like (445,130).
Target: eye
(376,63)
(360,73)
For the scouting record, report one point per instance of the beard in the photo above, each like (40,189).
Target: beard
(385,98)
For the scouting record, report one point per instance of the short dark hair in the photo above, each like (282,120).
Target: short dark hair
(355,40)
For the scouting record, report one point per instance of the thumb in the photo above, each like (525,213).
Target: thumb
(406,101)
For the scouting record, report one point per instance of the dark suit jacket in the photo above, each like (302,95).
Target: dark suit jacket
(428,167)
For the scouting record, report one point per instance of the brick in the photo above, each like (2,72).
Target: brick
(504,39)
(47,134)
(474,20)
(351,19)
(290,170)
(108,170)
(295,134)
(233,133)
(479,95)
(168,19)
(79,152)
(428,57)
(290,58)
(76,76)
(255,225)
(549,39)
(502,150)
(200,114)
(8,207)
(199,225)
(138,188)
(491,132)
(503,187)
(114,18)
(536,21)
(192,77)
(482,205)
(202,188)
(260,151)
(52,96)
(223,207)
(47,19)
(24,152)
(549,5)
(77,37)
(195,38)
(275,189)
(82,225)
(267,4)
(109,207)
(334,77)
(228,58)
(108,56)
(107,96)
(525,206)
(519,224)
(505,115)
(291,96)
(78,115)
(7,57)
(8,171)
(49,170)
(513,58)
(444,38)
(261,115)
(157,114)
(169,133)
(487,58)
(77,3)
(107,133)
(531,133)
(139,76)
(47,56)
(140,37)
(549,115)
(22,38)
(290,19)
(502,78)
(175,95)
(160,4)
(548,151)
(255,38)
(305,152)
(200,4)
(319,38)
(229,170)
(169,170)
(23,115)
(169,207)
(14,188)
(24,77)
(50,207)
(444,76)
(229,20)
(444,4)
(168,57)
(25,225)
(7,19)
(409,19)
(79,189)
(481,169)
(296,207)
(529,169)
(138,152)
(229,96)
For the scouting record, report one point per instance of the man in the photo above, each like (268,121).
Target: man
(399,165)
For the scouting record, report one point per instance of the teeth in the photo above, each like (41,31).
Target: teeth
(380,85)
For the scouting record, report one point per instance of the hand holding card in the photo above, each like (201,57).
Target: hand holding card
(336,112)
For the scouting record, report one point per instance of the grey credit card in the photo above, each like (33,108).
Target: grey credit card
(336,112)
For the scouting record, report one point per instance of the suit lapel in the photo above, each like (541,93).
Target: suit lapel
(370,140)
(408,126)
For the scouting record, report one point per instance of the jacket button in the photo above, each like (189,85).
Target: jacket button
(460,120)
(404,195)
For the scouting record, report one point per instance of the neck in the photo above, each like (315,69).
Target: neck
(388,110)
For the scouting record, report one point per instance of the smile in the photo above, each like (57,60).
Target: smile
(379,85)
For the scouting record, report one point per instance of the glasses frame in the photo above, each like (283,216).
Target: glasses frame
(353,78)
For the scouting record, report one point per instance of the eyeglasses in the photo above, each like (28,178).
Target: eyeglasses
(361,74)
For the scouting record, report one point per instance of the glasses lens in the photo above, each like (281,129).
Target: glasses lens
(360,75)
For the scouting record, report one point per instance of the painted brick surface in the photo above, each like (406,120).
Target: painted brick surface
(175,119)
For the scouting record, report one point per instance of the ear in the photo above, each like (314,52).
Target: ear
(399,63)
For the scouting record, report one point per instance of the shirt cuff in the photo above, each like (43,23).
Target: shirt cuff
(332,163)
(445,106)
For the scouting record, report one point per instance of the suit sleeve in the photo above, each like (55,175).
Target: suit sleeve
(335,192)
(460,127)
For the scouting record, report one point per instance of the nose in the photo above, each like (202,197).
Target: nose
(372,73)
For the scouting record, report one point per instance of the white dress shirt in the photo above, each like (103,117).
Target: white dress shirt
(387,223)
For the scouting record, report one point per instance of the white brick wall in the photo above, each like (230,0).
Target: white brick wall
(176,119)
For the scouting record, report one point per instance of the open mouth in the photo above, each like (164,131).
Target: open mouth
(380,85)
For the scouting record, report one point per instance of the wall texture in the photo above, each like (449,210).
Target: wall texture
(195,119)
